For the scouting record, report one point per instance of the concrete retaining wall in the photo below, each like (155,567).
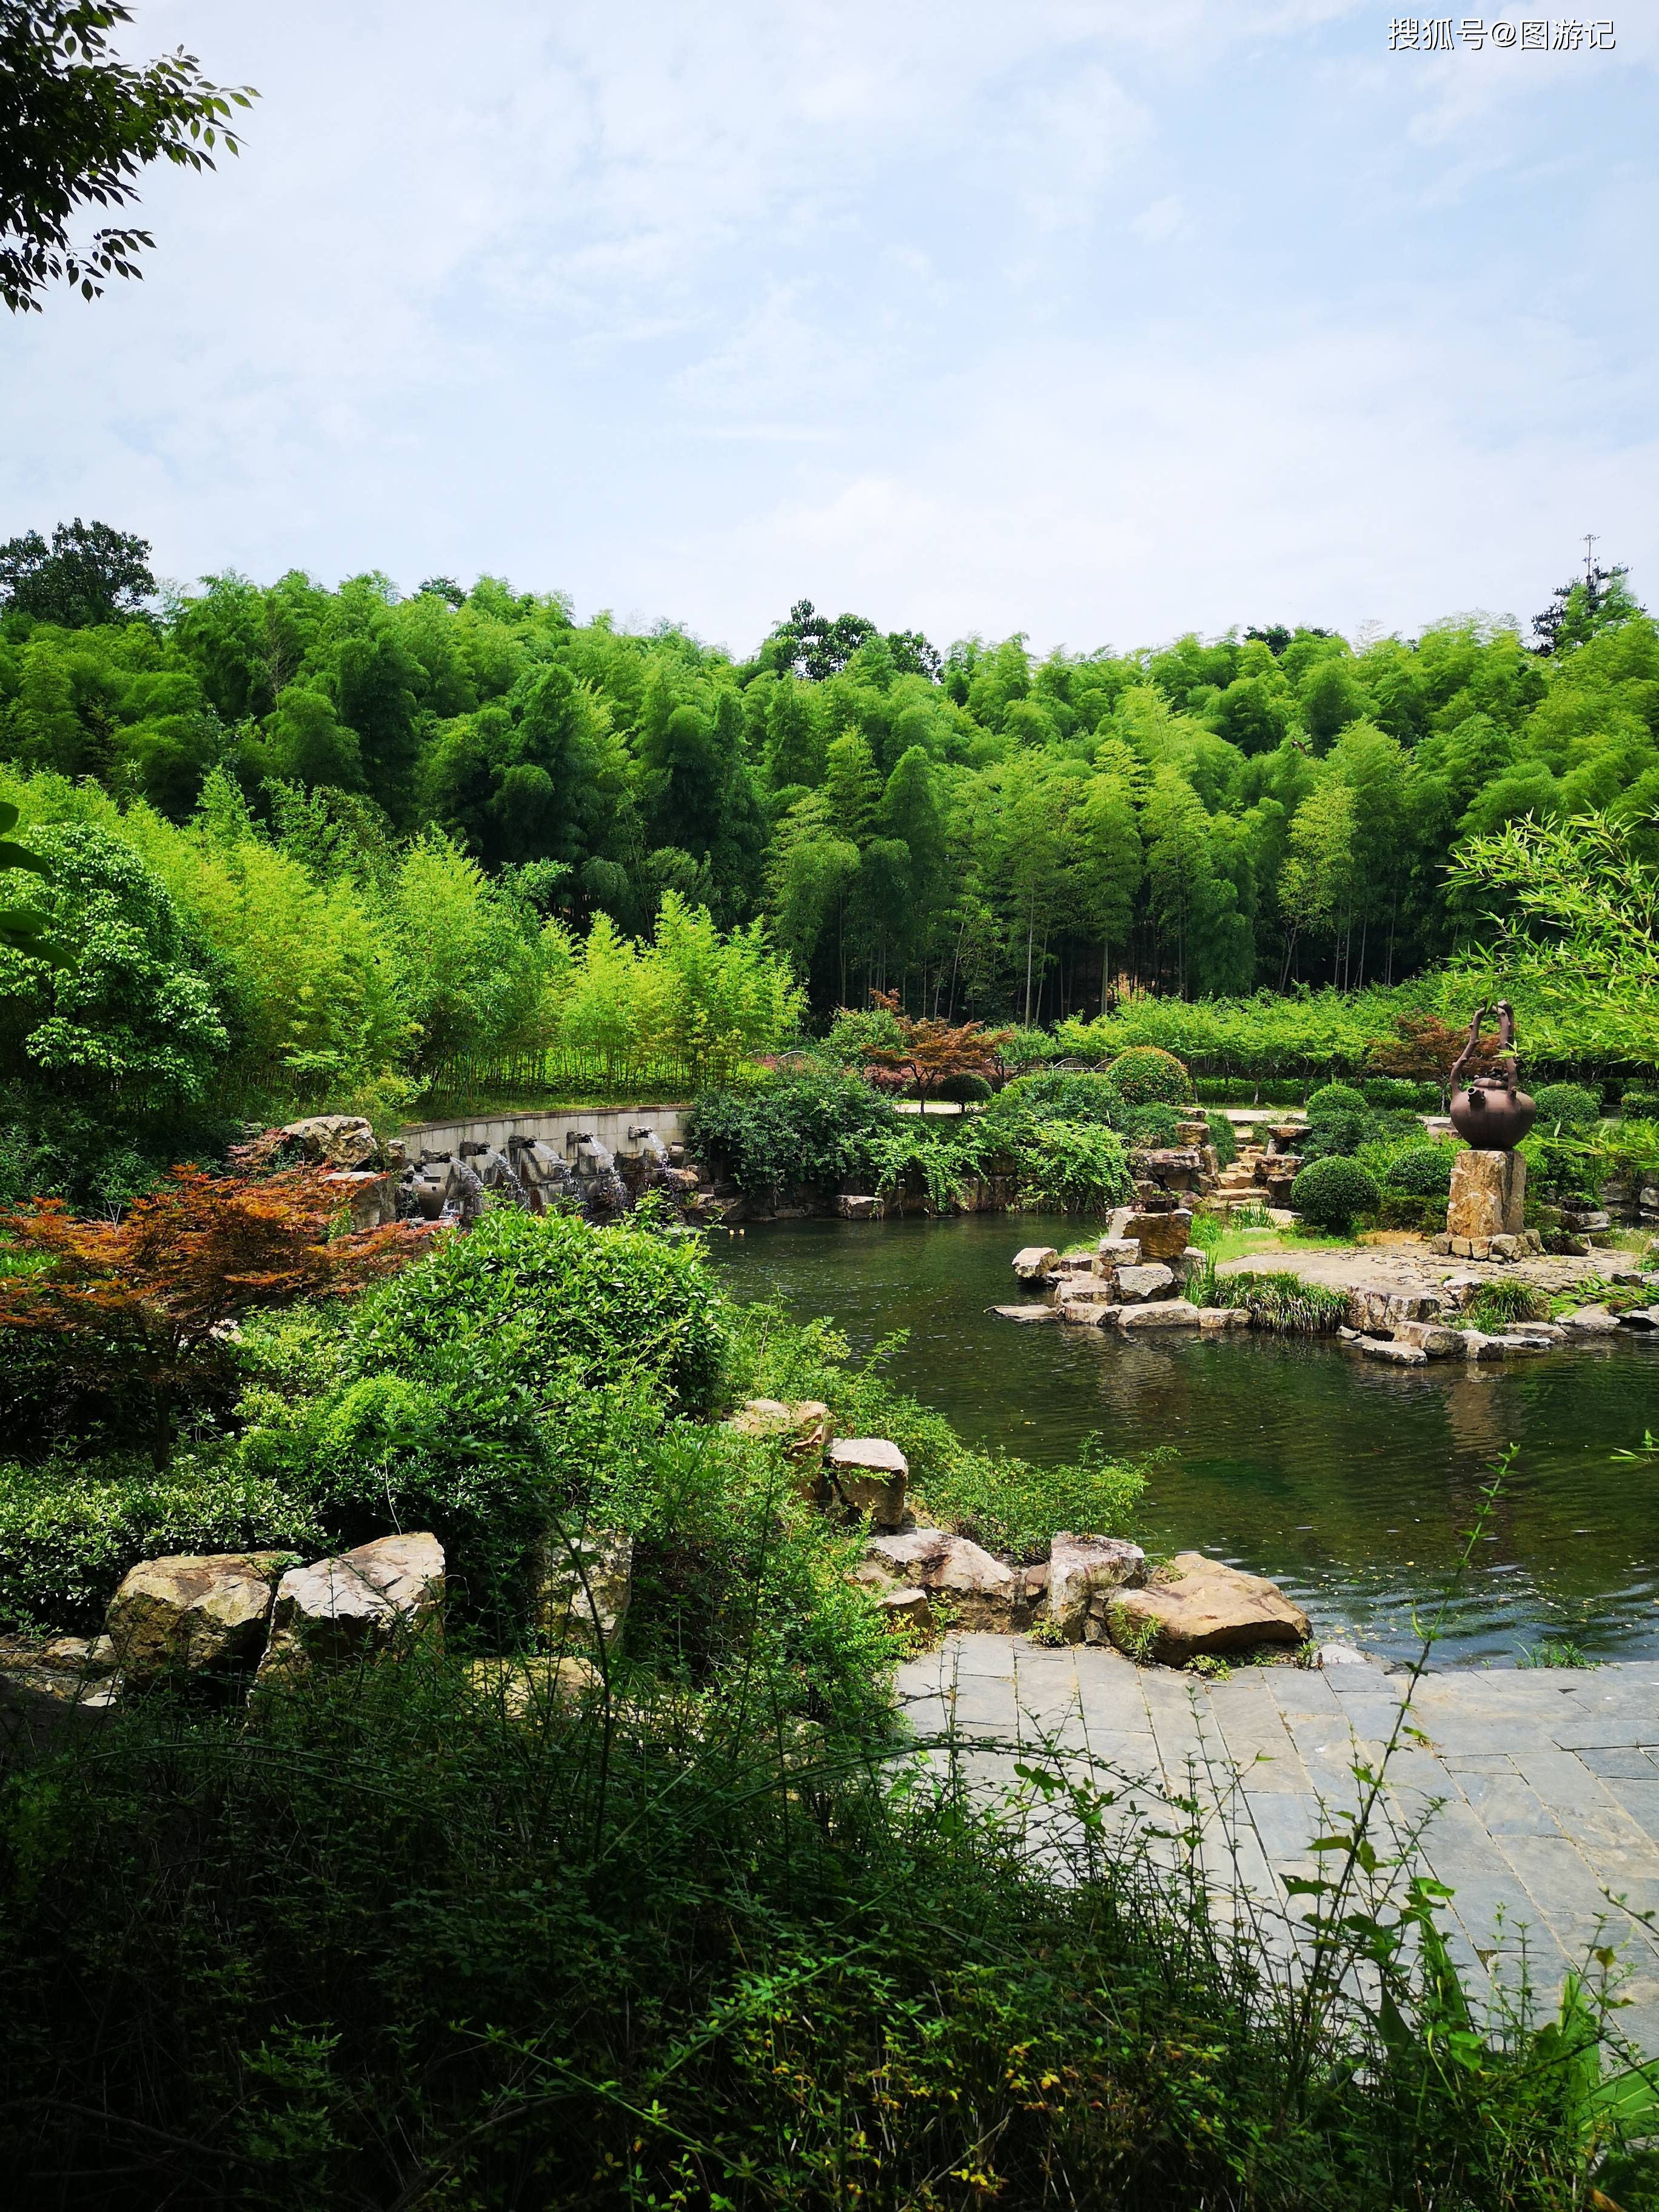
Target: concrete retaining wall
(614,1127)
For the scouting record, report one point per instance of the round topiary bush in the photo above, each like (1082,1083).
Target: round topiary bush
(1145,1072)
(963,1090)
(1567,1102)
(1336,1098)
(1421,1170)
(1640,1105)
(1330,1192)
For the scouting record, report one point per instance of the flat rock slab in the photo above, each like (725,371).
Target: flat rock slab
(1026,1313)
(1166,1313)
(1547,1783)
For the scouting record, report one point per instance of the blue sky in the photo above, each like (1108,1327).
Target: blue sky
(1091,320)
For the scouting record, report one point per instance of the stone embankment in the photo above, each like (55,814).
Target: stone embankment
(1087,1589)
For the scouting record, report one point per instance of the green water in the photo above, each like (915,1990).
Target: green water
(1344,1481)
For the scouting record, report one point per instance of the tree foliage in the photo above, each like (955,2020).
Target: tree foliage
(150,1299)
(77,126)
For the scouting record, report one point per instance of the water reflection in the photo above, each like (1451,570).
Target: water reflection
(1348,1482)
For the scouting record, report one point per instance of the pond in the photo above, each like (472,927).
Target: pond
(1345,1481)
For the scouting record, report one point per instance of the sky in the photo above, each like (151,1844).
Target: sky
(1095,321)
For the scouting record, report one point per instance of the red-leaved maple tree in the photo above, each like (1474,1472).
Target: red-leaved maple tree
(931,1052)
(1427,1049)
(153,1297)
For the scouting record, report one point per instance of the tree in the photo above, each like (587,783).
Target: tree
(88,574)
(77,127)
(1317,879)
(113,1004)
(153,1297)
(810,645)
(1108,866)
(1601,599)
(933,1052)
(1426,1048)
(21,926)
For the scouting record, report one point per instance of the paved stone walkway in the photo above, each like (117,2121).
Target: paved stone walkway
(1540,1788)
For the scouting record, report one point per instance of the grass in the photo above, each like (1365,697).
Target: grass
(1285,1304)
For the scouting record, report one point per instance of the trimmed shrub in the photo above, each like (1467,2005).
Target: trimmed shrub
(963,1090)
(1386,1091)
(1421,1170)
(1640,1105)
(68,1534)
(1054,1096)
(1569,1104)
(1146,1072)
(1337,1098)
(1329,1193)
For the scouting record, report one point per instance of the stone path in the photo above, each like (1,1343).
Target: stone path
(1539,1788)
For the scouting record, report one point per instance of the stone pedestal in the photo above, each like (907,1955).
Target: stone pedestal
(1488,1194)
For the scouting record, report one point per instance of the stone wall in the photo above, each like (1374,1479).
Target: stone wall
(615,1126)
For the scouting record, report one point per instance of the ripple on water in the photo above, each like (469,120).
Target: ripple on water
(1347,1482)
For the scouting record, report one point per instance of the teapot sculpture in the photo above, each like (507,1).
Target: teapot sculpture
(1491,1113)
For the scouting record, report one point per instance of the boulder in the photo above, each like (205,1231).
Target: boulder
(1136,1286)
(1034,1262)
(338,1612)
(1196,1605)
(905,1608)
(1505,1248)
(1193,1132)
(1079,1566)
(1188,1266)
(802,1426)
(1026,1313)
(1585,1222)
(1488,1194)
(1073,1263)
(980,1591)
(852,1208)
(1546,1332)
(1161,1235)
(868,1474)
(1390,1353)
(1379,1307)
(40,1699)
(1590,1321)
(1218,1318)
(1335,1655)
(335,1140)
(1639,1317)
(193,1613)
(1167,1313)
(1477,1345)
(1116,1252)
(372,1197)
(1088,1313)
(581,1585)
(1432,1338)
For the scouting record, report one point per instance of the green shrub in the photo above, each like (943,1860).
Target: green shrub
(1146,1071)
(1151,1128)
(963,1090)
(1395,1209)
(1422,1171)
(814,1126)
(1568,1105)
(1224,1137)
(1382,1091)
(1337,1098)
(68,1533)
(1330,1193)
(1056,1097)
(1640,1105)
(1282,1302)
(1073,1167)
(1337,1135)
